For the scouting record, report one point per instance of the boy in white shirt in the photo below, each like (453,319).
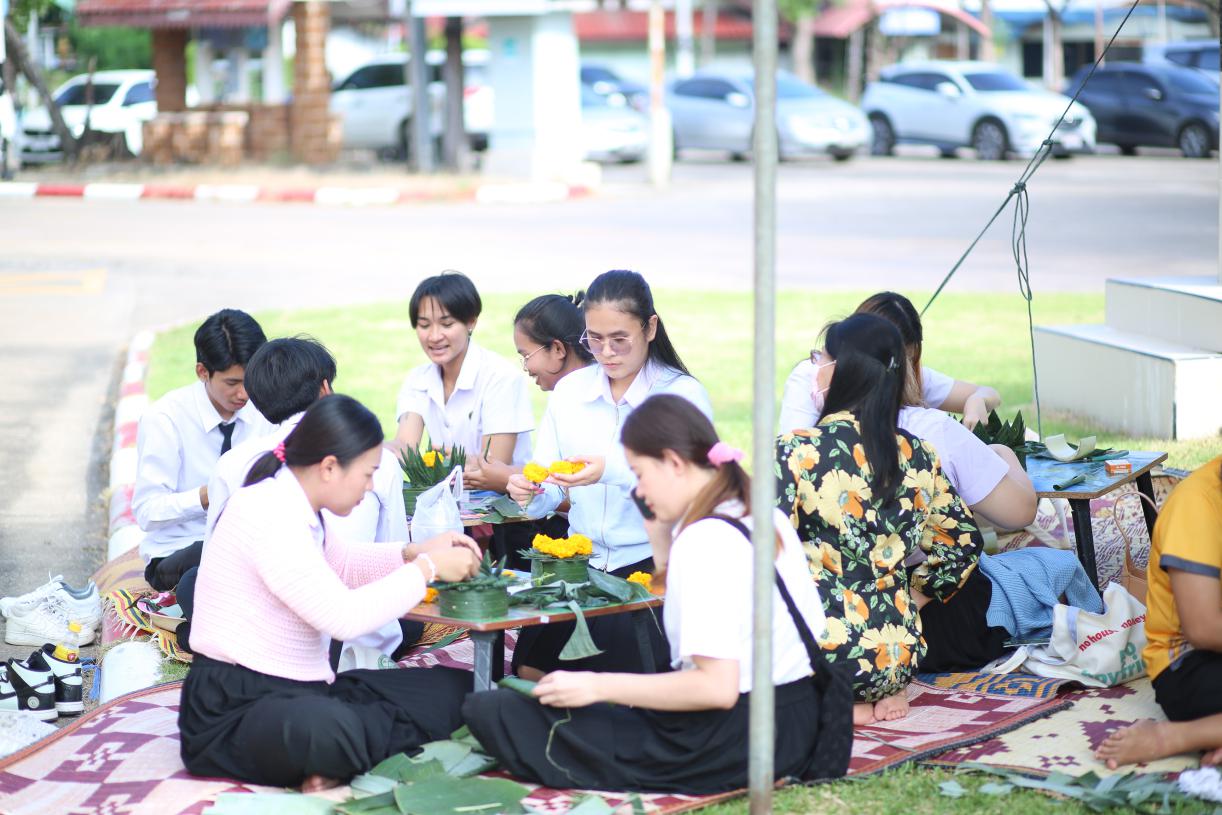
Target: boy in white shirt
(180,439)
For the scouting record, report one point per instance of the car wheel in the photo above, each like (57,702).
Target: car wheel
(403,150)
(989,140)
(674,145)
(948,152)
(842,155)
(1128,149)
(1194,141)
(883,142)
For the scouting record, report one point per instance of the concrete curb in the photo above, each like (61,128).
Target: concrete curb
(523,193)
(123,534)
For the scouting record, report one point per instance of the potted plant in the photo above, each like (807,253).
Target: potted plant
(423,470)
(559,559)
(483,597)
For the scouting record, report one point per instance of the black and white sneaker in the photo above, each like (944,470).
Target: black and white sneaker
(64,665)
(26,688)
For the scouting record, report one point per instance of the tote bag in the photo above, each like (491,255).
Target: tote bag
(1098,650)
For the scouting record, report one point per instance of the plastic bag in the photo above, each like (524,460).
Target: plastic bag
(437,508)
(1098,650)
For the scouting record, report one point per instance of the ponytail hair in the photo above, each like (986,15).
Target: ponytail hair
(555,318)
(628,292)
(335,425)
(669,422)
(899,311)
(869,381)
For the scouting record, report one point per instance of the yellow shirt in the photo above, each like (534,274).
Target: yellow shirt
(1188,536)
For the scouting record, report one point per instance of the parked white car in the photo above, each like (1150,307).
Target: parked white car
(971,104)
(375,102)
(122,102)
(611,129)
(10,141)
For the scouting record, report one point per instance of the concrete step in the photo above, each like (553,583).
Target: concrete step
(1130,382)
(1182,310)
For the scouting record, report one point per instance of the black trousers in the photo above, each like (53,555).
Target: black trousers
(163,573)
(1192,689)
(539,646)
(238,723)
(958,633)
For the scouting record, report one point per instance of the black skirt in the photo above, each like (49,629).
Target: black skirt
(615,635)
(958,632)
(612,747)
(238,723)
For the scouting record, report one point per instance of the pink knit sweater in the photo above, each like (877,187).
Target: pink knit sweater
(270,596)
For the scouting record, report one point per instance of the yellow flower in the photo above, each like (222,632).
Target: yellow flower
(581,544)
(430,458)
(430,596)
(835,634)
(535,472)
(888,550)
(855,609)
(841,492)
(566,467)
(806,496)
(903,602)
(644,578)
(830,556)
(892,645)
(563,547)
(803,459)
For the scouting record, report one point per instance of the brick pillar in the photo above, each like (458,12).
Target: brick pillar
(311,135)
(170,65)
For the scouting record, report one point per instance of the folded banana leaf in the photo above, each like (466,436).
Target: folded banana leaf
(516,683)
(441,796)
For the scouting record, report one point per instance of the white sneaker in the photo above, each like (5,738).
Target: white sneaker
(83,605)
(48,621)
(24,688)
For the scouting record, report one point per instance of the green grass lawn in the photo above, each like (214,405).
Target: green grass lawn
(980,338)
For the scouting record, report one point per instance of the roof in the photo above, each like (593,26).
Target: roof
(180,13)
(838,22)
(633,26)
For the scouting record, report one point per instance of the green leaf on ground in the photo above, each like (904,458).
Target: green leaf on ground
(269,803)
(473,764)
(370,784)
(996,789)
(952,789)
(400,768)
(383,804)
(475,796)
(448,753)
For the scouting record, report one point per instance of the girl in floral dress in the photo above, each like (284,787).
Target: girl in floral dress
(863,495)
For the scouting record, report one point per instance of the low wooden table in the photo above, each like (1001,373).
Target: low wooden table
(1046,473)
(489,635)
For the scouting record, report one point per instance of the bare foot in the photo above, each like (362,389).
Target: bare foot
(318,783)
(1144,741)
(891,708)
(863,713)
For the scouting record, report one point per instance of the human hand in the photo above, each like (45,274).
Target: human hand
(522,489)
(975,411)
(454,564)
(592,473)
(447,540)
(203,497)
(486,474)
(568,689)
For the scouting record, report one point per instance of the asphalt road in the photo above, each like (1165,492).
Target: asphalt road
(78,278)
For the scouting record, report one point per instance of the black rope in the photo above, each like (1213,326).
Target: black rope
(1022,210)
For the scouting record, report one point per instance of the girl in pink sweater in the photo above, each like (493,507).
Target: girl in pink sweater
(261,703)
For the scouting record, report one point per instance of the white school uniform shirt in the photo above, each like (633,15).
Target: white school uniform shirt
(798,406)
(380,516)
(491,396)
(582,419)
(708,611)
(177,447)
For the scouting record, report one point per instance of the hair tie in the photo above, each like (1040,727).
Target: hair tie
(892,365)
(279,452)
(722,453)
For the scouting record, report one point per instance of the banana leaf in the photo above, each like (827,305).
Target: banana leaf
(474,764)
(579,646)
(441,796)
(368,784)
(400,768)
(269,803)
(616,588)
(383,804)
(515,683)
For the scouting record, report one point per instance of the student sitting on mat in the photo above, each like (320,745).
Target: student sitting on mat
(464,395)
(1183,628)
(927,386)
(261,703)
(863,496)
(683,731)
(180,439)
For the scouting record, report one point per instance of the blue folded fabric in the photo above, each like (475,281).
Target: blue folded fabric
(1029,583)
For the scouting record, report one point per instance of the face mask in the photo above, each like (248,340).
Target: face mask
(819,395)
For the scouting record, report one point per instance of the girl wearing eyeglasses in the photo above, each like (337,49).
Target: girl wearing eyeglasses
(585,414)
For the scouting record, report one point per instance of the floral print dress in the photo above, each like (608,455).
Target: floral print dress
(856,544)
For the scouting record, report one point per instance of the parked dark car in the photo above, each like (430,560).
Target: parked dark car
(1137,104)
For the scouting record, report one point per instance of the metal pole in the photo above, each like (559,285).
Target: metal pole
(685,52)
(421,141)
(1099,30)
(763,486)
(661,146)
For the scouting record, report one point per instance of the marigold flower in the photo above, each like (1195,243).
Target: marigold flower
(430,596)
(566,467)
(581,544)
(644,578)
(430,458)
(535,472)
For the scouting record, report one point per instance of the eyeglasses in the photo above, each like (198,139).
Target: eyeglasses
(598,346)
(526,357)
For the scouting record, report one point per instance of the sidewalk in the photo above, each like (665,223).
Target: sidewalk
(345,184)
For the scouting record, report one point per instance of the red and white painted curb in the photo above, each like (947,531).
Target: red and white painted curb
(523,193)
(124,534)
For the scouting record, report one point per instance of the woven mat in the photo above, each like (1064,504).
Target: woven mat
(1066,741)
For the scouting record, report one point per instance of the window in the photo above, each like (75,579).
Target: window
(704,89)
(1103,81)
(1207,60)
(75,95)
(995,81)
(1191,82)
(139,93)
(1137,84)
(923,81)
(592,73)
(374,76)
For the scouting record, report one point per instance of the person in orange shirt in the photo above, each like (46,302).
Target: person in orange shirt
(1183,629)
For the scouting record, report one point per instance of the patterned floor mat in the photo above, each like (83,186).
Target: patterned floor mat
(1066,740)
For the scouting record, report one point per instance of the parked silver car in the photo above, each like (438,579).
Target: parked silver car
(611,130)
(717,112)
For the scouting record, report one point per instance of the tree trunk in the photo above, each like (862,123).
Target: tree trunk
(804,47)
(988,52)
(708,33)
(454,141)
(1055,56)
(18,53)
